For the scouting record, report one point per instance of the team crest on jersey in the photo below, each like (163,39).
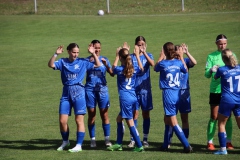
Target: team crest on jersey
(76,66)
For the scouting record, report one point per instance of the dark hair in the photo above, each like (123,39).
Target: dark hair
(177,46)
(139,38)
(95,41)
(71,46)
(169,50)
(128,70)
(220,37)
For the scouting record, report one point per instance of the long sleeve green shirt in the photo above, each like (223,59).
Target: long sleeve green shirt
(214,58)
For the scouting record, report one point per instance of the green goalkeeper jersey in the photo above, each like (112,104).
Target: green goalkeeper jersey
(214,58)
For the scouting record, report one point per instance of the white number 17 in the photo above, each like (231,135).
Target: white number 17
(230,81)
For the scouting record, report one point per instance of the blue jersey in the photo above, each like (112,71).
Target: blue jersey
(230,84)
(170,71)
(72,72)
(143,80)
(184,77)
(96,77)
(124,84)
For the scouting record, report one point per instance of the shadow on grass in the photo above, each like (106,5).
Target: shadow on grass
(52,144)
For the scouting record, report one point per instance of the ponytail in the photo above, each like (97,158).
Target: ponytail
(129,69)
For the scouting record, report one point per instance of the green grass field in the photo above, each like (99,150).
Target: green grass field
(30,91)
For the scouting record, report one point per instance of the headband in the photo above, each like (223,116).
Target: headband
(221,39)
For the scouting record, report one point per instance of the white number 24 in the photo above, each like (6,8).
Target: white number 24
(230,81)
(173,81)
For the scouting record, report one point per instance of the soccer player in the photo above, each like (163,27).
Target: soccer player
(214,60)
(97,93)
(230,100)
(184,104)
(72,70)
(143,89)
(170,70)
(126,77)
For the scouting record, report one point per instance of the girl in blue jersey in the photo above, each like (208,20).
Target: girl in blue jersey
(126,76)
(230,100)
(97,93)
(72,70)
(184,104)
(169,82)
(143,89)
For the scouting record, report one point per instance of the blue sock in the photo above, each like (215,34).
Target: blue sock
(65,136)
(135,124)
(178,131)
(222,137)
(170,133)
(106,129)
(166,137)
(135,135)
(146,127)
(91,130)
(119,132)
(186,132)
(80,137)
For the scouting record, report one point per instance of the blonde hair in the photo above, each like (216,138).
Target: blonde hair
(229,58)
(125,56)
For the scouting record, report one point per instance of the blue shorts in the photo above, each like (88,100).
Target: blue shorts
(144,98)
(97,97)
(226,109)
(73,96)
(127,102)
(170,99)
(184,103)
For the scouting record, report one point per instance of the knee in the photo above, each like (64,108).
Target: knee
(214,117)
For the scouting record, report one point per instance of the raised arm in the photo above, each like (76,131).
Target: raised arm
(53,58)
(115,63)
(136,52)
(109,69)
(182,59)
(192,59)
(91,50)
(143,50)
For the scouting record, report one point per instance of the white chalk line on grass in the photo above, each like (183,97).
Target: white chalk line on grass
(175,14)
(143,15)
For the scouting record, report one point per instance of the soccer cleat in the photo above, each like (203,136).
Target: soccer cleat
(115,147)
(131,144)
(229,145)
(63,146)
(136,149)
(145,144)
(163,149)
(220,152)
(93,144)
(75,150)
(108,143)
(210,147)
(188,149)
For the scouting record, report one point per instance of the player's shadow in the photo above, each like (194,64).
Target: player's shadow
(52,144)
(178,148)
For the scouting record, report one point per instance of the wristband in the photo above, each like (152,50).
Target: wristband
(55,55)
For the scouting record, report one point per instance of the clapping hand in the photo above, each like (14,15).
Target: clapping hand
(91,49)
(59,50)
(125,45)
